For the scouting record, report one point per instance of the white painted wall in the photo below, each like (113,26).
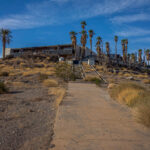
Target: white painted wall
(7,51)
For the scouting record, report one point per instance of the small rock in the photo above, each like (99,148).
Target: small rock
(130,78)
(111,85)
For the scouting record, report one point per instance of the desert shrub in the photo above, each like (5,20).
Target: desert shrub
(50,83)
(100,68)
(3,88)
(5,74)
(59,93)
(39,65)
(127,75)
(136,97)
(146,81)
(24,65)
(111,85)
(18,84)
(94,79)
(43,76)
(142,114)
(111,80)
(128,93)
(64,71)
(141,76)
(97,81)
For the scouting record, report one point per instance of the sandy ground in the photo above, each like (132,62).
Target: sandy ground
(26,119)
(88,119)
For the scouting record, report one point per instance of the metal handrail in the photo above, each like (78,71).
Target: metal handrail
(98,74)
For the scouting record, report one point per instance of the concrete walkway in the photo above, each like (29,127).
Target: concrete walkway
(89,120)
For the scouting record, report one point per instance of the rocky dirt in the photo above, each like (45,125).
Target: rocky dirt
(27,111)
(26,119)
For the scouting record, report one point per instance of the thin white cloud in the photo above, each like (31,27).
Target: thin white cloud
(133,31)
(23,22)
(142,40)
(48,12)
(130,18)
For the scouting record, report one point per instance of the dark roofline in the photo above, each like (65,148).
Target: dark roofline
(40,47)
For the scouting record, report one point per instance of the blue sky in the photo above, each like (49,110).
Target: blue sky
(48,22)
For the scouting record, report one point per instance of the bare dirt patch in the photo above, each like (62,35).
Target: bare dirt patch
(27,110)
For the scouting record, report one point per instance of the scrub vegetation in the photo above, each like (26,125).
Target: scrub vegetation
(135,96)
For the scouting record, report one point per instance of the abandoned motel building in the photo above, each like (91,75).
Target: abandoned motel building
(65,52)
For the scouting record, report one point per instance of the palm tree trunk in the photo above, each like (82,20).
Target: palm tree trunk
(91,45)
(116,49)
(83,51)
(4,46)
(126,48)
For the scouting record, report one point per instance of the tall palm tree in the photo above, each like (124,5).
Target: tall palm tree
(144,59)
(107,48)
(148,55)
(91,34)
(123,50)
(74,40)
(116,40)
(140,55)
(5,36)
(84,37)
(83,25)
(133,57)
(126,48)
(129,56)
(98,43)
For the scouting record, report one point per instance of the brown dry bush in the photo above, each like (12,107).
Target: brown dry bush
(146,81)
(59,93)
(3,88)
(142,114)
(135,96)
(50,83)
(65,72)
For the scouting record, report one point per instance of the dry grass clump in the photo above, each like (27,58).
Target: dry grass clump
(59,93)
(50,83)
(42,76)
(4,74)
(3,88)
(28,73)
(18,84)
(90,77)
(87,68)
(111,85)
(111,80)
(146,81)
(121,73)
(127,75)
(134,96)
(142,114)
(141,76)
(128,93)
(93,79)
(32,71)
(100,68)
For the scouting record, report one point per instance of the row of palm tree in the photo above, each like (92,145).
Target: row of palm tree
(99,45)
(5,36)
(133,59)
(84,37)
